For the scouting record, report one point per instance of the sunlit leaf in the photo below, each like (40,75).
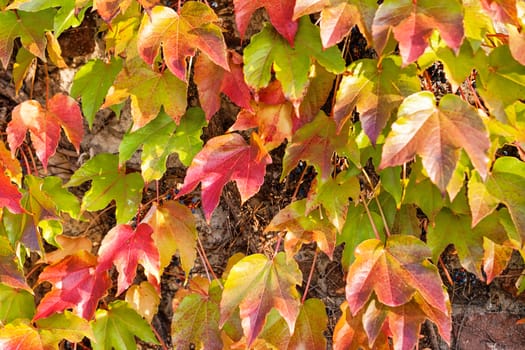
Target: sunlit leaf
(144,299)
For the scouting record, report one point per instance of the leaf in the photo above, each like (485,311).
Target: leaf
(256,285)
(20,335)
(338,17)
(108,9)
(15,303)
(212,79)
(174,229)
(436,134)
(44,125)
(279,11)
(502,82)
(196,320)
(501,10)
(375,89)
(76,285)
(162,137)
(144,299)
(226,158)
(467,241)
(334,196)
(109,182)
(92,82)
(63,326)
(180,35)
(68,246)
(125,248)
(29,27)
(317,93)
(118,326)
(291,65)
(412,23)
(315,143)
(508,175)
(23,62)
(301,227)
(149,91)
(495,258)
(10,196)
(309,327)
(394,272)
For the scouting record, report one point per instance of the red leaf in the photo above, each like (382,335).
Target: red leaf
(9,195)
(44,125)
(414,20)
(211,80)
(76,284)
(108,9)
(126,248)
(501,10)
(180,35)
(226,158)
(280,12)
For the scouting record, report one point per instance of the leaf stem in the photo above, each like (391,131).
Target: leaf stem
(299,182)
(376,232)
(161,341)
(310,275)
(207,265)
(385,223)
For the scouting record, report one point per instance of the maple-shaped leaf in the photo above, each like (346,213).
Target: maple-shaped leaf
(508,175)
(412,23)
(125,248)
(149,91)
(118,326)
(436,134)
(338,17)
(272,115)
(10,196)
(44,125)
(303,227)
(394,271)
(403,323)
(68,246)
(467,241)
(162,137)
(504,11)
(308,332)
(59,326)
(144,298)
(108,9)
(109,182)
(349,333)
(29,27)
(226,158)
(268,50)
(279,11)
(180,35)
(315,143)
(92,82)
(15,303)
(76,285)
(212,79)
(495,258)
(256,285)
(374,89)
(20,335)
(196,318)
(174,230)
(502,81)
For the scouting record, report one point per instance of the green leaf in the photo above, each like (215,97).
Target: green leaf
(375,89)
(64,325)
(92,82)
(196,321)
(24,60)
(30,27)
(109,182)
(256,285)
(502,81)
(118,326)
(268,49)
(159,141)
(15,303)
